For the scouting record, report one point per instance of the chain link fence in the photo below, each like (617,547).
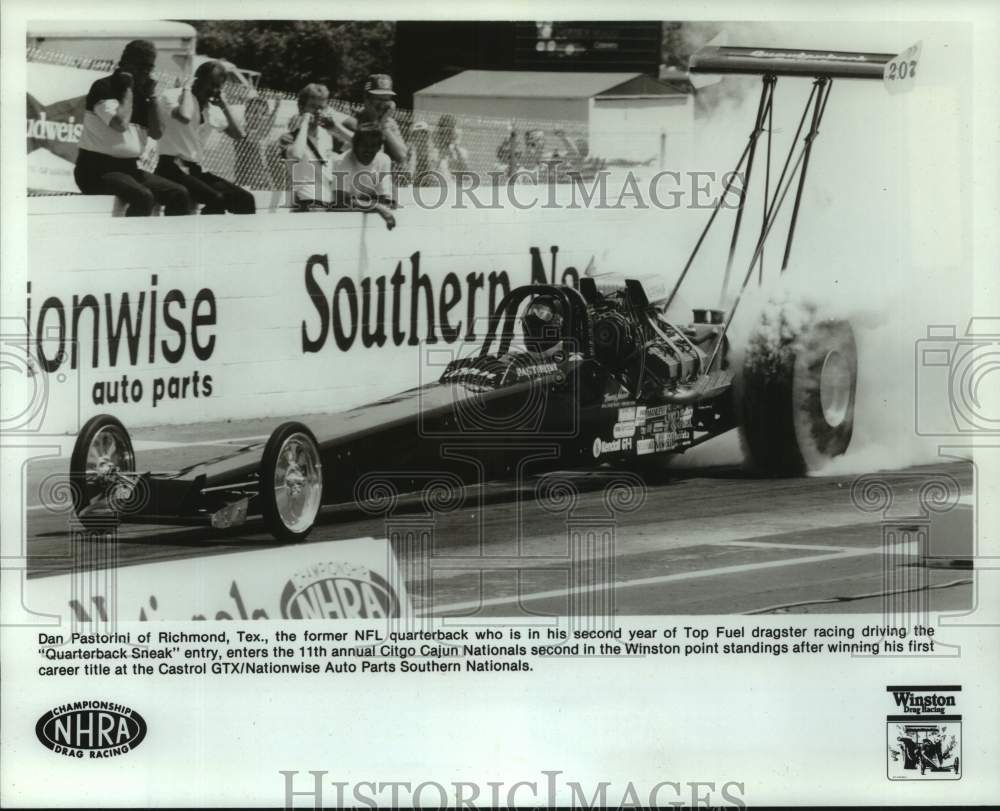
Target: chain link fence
(441,145)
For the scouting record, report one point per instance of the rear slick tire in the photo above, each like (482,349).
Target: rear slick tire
(796,397)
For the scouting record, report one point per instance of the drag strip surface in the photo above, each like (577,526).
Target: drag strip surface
(714,540)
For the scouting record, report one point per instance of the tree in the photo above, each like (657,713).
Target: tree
(681,39)
(291,53)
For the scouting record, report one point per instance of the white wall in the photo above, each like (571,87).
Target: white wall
(254,271)
(504,108)
(631,128)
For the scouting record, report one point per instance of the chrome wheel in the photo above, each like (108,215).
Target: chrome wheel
(835,388)
(109,452)
(298,482)
(102,468)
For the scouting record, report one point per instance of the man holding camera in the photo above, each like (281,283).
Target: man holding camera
(308,148)
(379,110)
(190,114)
(121,115)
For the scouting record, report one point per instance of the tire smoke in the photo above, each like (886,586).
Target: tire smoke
(884,230)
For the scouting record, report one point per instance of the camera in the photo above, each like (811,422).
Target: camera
(325,118)
(958,379)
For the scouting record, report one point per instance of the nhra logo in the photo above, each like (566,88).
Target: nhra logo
(330,590)
(91,729)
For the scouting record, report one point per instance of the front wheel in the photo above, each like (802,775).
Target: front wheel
(291,482)
(102,451)
(796,395)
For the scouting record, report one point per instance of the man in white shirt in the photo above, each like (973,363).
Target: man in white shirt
(308,148)
(364,170)
(121,115)
(190,115)
(322,180)
(362,176)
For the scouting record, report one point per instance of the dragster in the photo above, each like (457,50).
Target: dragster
(597,372)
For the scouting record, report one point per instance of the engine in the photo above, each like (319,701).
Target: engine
(645,345)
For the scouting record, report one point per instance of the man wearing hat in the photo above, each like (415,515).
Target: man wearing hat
(379,109)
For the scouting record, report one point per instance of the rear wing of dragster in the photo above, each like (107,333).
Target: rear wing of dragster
(897,73)
(811,64)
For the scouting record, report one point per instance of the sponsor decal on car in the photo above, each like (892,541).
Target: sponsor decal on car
(536,370)
(624,429)
(602,446)
(681,414)
(659,442)
(666,440)
(617,398)
(474,377)
(91,729)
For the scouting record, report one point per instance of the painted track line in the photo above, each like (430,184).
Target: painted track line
(721,571)
(814,547)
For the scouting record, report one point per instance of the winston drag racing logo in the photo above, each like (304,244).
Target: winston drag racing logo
(333,590)
(924,737)
(91,729)
(911,702)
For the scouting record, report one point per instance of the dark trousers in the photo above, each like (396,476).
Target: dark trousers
(96,173)
(216,194)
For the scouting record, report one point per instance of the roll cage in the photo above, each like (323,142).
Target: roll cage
(503,322)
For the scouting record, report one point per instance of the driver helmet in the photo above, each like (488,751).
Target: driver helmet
(542,323)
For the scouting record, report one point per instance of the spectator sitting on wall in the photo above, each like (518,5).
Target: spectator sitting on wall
(447,140)
(190,114)
(121,115)
(357,180)
(362,176)
(307,148)
(380,109)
